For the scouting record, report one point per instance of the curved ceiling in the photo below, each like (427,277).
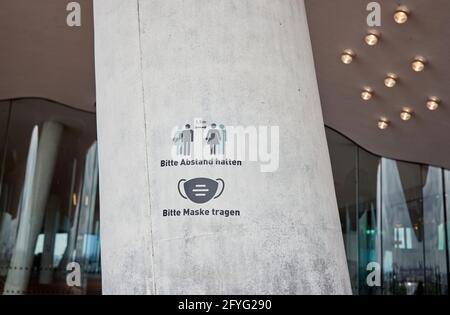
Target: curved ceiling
(339,25)
(41,56)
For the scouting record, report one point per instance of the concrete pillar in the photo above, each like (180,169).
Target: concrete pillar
(161,64)
(35,200)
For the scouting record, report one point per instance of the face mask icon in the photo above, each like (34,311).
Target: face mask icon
(200,190)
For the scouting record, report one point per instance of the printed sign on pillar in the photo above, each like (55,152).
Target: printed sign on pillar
(209,146)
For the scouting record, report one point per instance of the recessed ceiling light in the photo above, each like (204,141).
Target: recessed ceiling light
(433,103)
(406,114)
(347,56)
(372,38)
(391,80)
(418,64)
(383,124)
(366,93)
(401,15)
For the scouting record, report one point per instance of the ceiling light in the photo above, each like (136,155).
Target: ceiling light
(418,64)
(347,56)
(406,114)
(366,93)
(391,80)
(372,38)
(433,103)
(383,124)
(401,15)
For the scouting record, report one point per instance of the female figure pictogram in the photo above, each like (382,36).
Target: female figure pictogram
(213,139)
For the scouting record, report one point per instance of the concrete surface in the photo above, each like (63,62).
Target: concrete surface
(161,64)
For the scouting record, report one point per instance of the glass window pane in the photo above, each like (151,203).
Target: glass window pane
(403,256)
(49,200)
(369,221)
(343,155)
(401,224)
(434,238)
(446,227)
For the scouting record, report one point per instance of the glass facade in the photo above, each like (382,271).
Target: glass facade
(394,221)
(394,214)
(49,208)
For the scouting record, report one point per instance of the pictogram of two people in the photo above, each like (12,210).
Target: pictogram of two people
(216,138)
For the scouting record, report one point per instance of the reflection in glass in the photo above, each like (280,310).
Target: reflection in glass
(344,170)
(401,223)
(48,182)
(434,231)
(403,263)
(369,219)
(446,228)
